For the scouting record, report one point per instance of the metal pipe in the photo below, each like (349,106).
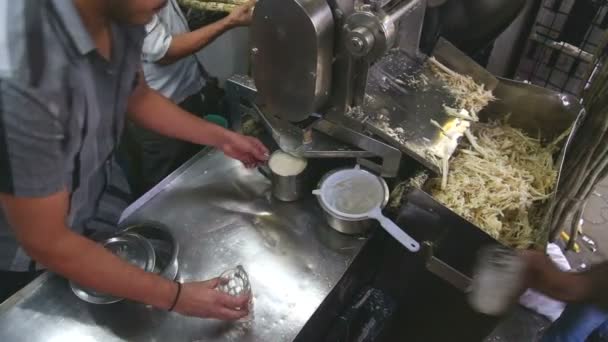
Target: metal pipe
(377,4)
(405,7)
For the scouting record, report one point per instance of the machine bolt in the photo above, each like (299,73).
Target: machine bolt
(360,41)
(307,136)
(357,43)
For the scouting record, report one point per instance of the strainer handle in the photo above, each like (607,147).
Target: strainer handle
(395,231)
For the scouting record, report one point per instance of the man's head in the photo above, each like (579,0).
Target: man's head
(135,12)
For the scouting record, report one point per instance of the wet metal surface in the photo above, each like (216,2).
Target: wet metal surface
(222,216)
(402,97)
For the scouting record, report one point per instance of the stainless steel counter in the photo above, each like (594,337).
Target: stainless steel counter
(222,215)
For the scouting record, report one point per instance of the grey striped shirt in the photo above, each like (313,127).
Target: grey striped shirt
(62,111)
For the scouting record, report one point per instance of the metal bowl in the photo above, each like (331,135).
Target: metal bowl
(132,248)
(164,244)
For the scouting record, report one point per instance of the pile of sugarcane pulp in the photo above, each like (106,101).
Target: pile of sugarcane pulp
(499,178)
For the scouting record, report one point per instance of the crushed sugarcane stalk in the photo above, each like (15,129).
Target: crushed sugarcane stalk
(586,162)
(231,2)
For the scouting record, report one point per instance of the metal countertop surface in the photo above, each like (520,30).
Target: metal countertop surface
(222,215)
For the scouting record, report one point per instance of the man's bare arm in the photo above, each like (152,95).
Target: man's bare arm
(596,281)
(186,44)
(588,286)
(39,225)
(151,110)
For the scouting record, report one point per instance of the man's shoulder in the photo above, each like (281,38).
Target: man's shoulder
(28,48)
(34,61)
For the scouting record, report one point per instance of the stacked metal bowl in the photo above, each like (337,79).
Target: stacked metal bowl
(149,246)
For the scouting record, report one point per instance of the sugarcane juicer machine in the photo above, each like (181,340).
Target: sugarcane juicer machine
(321,68)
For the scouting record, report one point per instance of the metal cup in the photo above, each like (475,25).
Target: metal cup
(287,188)
(497,280)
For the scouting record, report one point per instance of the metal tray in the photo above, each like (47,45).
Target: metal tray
(450,241)
(399,108)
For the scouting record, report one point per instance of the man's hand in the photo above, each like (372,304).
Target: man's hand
(242,15)
(151,110)
(540,270)
(248,150)
(201,299)
(38,224)
(543,276)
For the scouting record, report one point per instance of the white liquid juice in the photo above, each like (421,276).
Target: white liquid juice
(284,164)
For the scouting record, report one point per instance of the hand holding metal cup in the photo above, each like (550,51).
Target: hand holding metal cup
(498,279)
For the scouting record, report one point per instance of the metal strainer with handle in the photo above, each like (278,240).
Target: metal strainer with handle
(356,195)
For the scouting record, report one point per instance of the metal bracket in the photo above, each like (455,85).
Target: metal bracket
(391,157)
(409,19)
(443,270)
(288,137)
(307,142)
(322,139)
(239,88)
